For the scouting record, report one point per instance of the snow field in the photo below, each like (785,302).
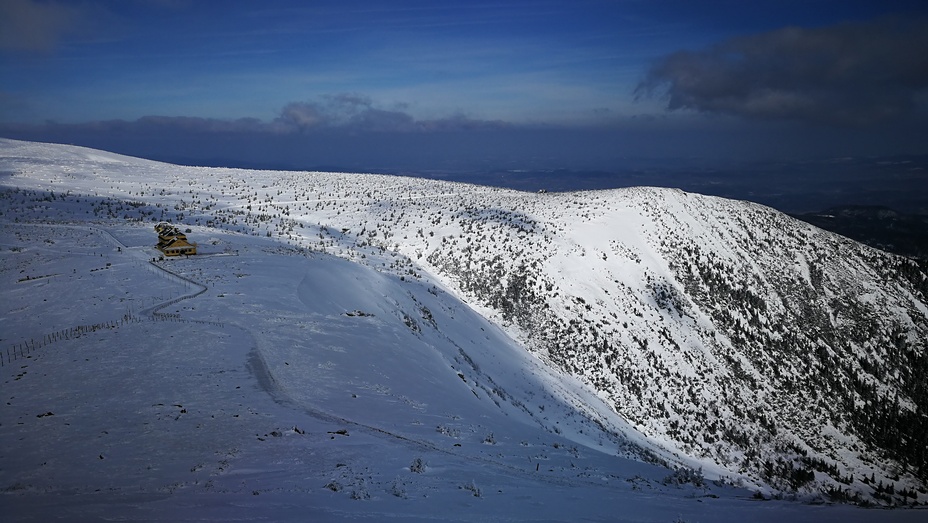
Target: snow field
(332,375)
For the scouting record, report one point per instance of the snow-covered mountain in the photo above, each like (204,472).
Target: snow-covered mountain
(601,335)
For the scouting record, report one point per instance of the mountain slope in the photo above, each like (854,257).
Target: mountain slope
(731,336)
(727,330)
(297,385)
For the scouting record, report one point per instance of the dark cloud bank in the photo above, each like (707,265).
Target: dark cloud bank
(846,90)
(850,74)
(350,132)
(344,131)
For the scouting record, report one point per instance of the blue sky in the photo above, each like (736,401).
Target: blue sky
(379,82)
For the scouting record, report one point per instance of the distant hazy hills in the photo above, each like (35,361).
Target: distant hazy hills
(880,227)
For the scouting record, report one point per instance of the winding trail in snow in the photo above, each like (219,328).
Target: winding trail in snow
(258,367)
(153,310)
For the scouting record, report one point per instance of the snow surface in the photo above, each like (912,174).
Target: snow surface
(299,376)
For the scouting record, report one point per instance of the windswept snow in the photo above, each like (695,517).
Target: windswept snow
(331,354)
(301,379)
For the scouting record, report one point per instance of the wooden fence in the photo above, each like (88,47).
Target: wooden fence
(24,349)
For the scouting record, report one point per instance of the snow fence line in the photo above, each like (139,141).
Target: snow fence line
(180,279)
(166,316)
(25,349)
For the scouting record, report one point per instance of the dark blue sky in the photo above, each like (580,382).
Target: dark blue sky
(457,85)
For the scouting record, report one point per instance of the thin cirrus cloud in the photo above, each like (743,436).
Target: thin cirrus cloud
(465,56)
(29,26)
(854,74)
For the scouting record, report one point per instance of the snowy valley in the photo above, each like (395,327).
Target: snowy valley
(348,346)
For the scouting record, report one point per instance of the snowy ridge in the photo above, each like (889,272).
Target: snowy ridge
(726,330)
(661,326)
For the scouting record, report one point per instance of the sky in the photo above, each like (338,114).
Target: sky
(405,85)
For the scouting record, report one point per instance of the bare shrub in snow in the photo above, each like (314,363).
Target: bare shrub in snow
(684,476)
(473,488)
(417,466)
